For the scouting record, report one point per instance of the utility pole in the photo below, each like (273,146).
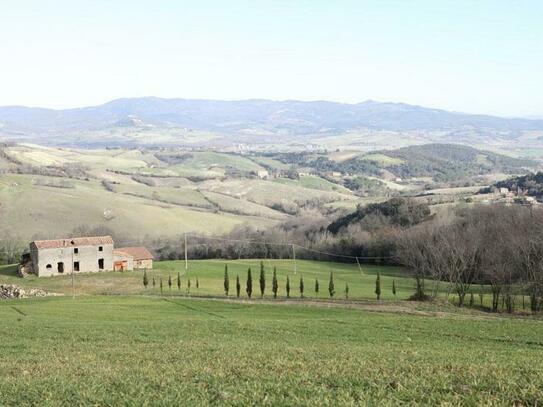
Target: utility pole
(294,257)
(186,258)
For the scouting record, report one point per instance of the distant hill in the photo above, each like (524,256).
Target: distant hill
(448,162)
(248,120)
(442,162)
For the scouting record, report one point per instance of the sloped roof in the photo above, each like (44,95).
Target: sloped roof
(74,241)
(138,253)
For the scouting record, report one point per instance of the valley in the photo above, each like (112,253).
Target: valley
(149,193)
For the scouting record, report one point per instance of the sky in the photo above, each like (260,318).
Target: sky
(476,56)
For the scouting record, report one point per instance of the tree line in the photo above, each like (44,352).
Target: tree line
(496,246)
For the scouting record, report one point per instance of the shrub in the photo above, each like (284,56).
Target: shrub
(145,279)
(262,279)
(275,286)
(249,287)
(331,288)
(378,286)
(288,287)
(226,280)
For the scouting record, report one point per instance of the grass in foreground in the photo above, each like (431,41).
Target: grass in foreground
(143,350)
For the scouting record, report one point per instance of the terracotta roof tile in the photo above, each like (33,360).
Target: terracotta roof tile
(74,241)
(138,253)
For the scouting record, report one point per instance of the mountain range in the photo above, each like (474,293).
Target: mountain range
(248,120)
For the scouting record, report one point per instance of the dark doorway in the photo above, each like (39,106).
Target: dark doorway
(100,264)
(60,267)
(76,266)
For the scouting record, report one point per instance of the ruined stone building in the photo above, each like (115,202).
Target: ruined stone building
(82,255)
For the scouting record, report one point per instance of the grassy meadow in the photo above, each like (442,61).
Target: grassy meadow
(111,350)
(210,275)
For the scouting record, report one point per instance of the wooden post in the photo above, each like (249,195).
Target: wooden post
(294,257)
(186,258)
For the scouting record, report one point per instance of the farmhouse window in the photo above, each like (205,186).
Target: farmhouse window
(76,266)
(101,264)
(100,249)
(60,267)
(76,250)
(48,266)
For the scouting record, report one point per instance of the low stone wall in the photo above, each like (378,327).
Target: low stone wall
(11,291)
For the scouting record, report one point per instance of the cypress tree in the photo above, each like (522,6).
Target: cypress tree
(288,287)
(378,286)
(178,281)
(170,282)
(238,285)
(249,287)
(262,280)
(331,288)
(316,287)
(394,288)
(197,283)
(145,279)
(346,291)
(161,285)
(226,280)
(188,286)
(301,287)
(275,286)
(471,300)
(154,283)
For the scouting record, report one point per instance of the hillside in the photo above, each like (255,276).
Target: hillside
(49,191)
(448,162)
(156,121)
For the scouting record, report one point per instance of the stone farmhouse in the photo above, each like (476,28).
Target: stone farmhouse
(135,257)
(82,255)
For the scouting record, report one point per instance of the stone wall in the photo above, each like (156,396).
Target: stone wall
(58,261)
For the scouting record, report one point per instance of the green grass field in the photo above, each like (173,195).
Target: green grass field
(210,274)
(111,350)
(118,343)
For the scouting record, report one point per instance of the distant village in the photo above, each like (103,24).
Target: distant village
(513,196)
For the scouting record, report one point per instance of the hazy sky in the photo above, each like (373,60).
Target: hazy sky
(468,55)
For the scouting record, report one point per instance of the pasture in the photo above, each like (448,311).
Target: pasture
(111,350)
(210,275)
